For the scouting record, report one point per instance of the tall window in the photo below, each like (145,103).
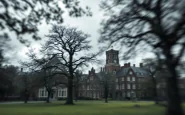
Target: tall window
(88,87)
(123,94)
(128,94)
(133,78)
(117,86)
(43,92)
(139,86)
(123,86)
(139,79)
(128,86)
(130,72)
(133,86)
(97,94)
(116,79)
(128,78)
(122,79)
(62,92)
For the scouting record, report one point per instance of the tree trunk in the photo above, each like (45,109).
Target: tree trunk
(48,100)
(155,96)
(106,95)
(76,94)
(174,101)
(155,93)
(69,100)
(26,98)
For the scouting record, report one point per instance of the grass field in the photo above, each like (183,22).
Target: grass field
(83,108)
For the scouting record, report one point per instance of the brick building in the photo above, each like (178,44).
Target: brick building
(127,79)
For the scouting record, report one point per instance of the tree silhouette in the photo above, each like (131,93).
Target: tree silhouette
(23,16)
(159,24)
(68,44)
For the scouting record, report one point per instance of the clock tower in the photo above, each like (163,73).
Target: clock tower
(112,60)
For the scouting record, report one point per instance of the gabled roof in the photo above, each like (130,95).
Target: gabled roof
(140,72)
(122,72)
(56,62)
(53,61)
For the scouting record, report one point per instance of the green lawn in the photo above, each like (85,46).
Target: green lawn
(83,108)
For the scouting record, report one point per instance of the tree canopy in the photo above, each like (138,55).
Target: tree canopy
(23,16)
(159,24)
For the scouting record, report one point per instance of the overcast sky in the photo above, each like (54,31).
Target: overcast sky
(89,25)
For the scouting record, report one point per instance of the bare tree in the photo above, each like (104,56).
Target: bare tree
(152,66)
(71,47)
(157,23)
(48,69)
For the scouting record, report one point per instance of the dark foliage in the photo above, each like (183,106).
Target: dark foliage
(159,24)
(24,16)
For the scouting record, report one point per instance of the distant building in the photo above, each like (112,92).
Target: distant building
(126,82)
(59,82)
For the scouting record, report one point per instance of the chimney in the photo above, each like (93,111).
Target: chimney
(101,69)
(21,69)
(134,65)
(141,64)
(128,65)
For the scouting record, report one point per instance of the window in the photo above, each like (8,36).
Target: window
(139,79)
(117,86)
(130,72)
(65,92)
(133,78)
(97,94)
(128,94)
(128,78)
(116,79)
(133,86)
(122,79)
(139,86)
(128,86)
(92,87)
(43,92)
(123,86)
(88,87)
(62,92)
(91,78)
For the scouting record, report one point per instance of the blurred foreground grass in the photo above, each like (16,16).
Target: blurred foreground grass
(83,108)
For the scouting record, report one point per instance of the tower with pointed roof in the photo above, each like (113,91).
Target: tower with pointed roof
(112,60)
